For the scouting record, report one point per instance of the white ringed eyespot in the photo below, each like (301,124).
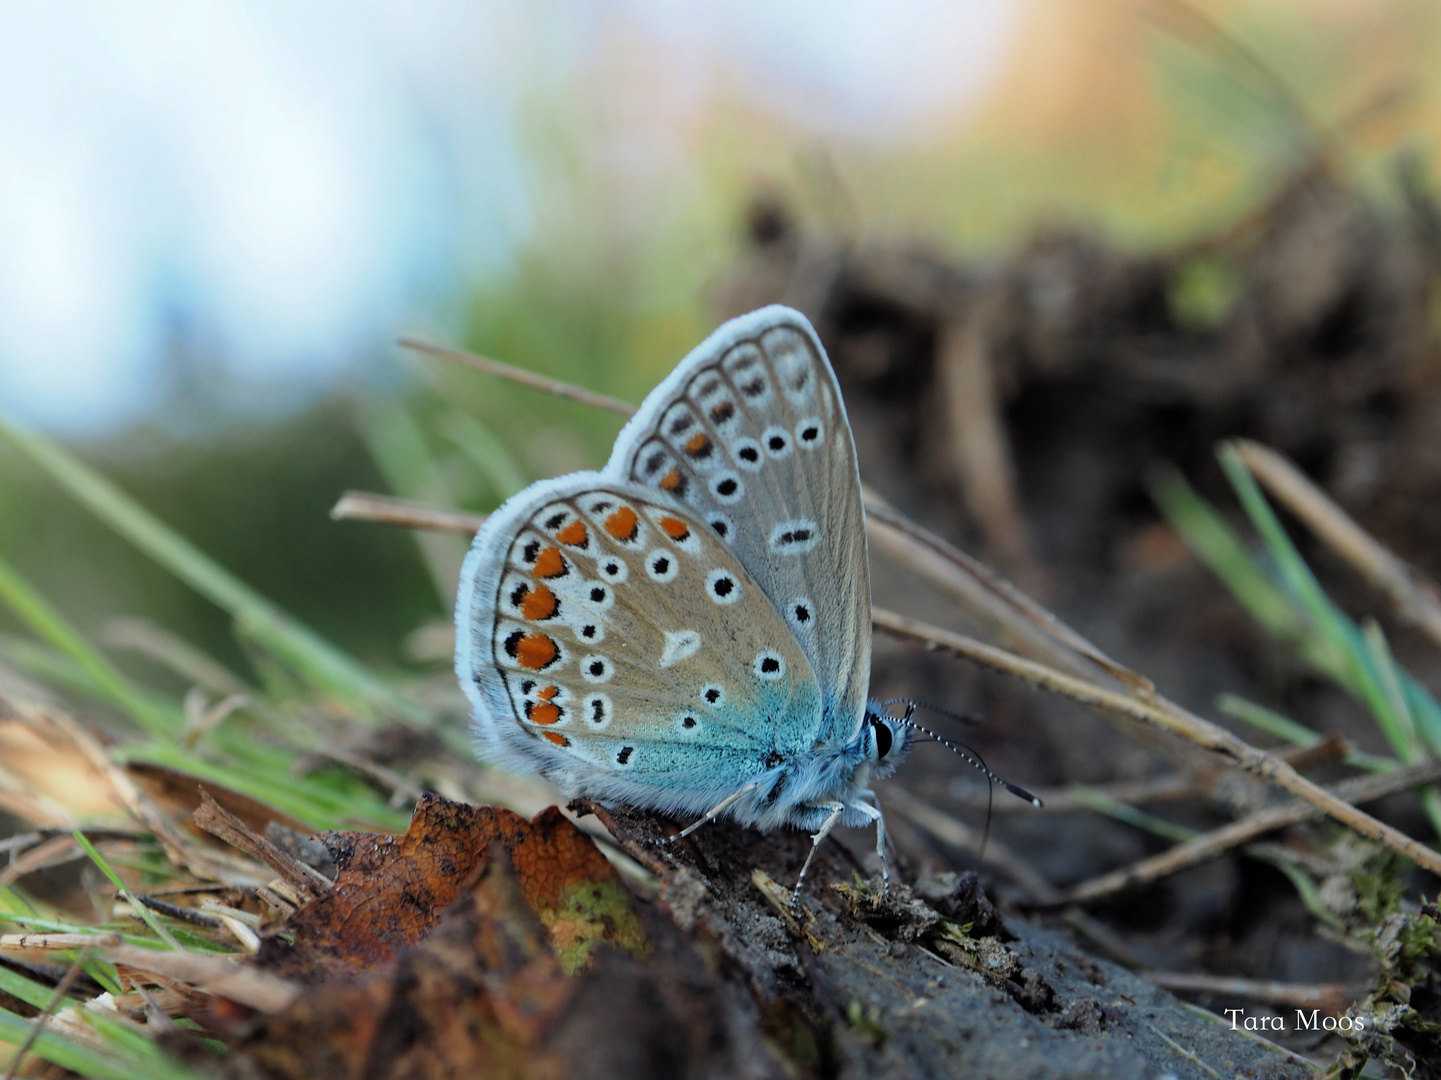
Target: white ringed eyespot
(595,669)
(722,587)
(662,565)
(769,665)
(747,454)
(727,487)
(777,441)
(810,432)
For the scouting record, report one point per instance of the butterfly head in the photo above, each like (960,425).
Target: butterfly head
(893,736)
(886,740)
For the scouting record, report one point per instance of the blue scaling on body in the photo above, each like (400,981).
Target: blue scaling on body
(689,629)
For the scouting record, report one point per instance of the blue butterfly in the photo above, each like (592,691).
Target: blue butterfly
(689,629)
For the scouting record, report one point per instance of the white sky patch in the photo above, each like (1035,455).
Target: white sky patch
(295,184)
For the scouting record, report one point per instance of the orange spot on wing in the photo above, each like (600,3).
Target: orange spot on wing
(545,713)
(675,528)
(671,480)
(535,651)
(539,603)
(549,564)
(555,737)
(622,524)
(573,534)
(697,443)
(547,692)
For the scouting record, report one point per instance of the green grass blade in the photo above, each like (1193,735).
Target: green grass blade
(123,1063)
(486,452)
(146,916)
(1359,673)
(50,626)
(323,665)
(1286,729)
(1216,544)
(25,989)
(1102,803)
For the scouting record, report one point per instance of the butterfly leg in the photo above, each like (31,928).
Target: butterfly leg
(874,813)
(836,810)
(714,812)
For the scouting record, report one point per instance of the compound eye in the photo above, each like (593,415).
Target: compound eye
(884,739)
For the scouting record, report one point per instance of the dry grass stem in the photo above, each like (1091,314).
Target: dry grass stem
(1166,788)
(1169,717)
(242,983)
(53,852)
(1360,789)
(1333,997)
(220,823)
(1416,598)
(388,510)
(179,849)
(518,375)
(985,593)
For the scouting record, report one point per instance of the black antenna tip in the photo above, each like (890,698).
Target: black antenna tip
(1020,792)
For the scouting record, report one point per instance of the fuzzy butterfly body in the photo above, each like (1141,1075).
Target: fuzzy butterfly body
(688,629)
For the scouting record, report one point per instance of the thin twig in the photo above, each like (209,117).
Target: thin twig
(1167,716)
(1360,789)
(518,375)
(387,510)
(1166,788)
(1287,995)
(982,590)
(61,989)
(243,983)
(1416,598)
(219,822)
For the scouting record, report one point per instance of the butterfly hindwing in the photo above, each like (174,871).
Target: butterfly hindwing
(750,432)
(611,641)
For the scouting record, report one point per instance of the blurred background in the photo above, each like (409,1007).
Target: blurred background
(215,222)
(1055,249)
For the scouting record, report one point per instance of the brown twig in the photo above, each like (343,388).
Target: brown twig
(388,510)
(980,589)
(1167,716)
(1331,996)
(1131,792)
(220,823)
(1416,598)
(243,983)
(1210,845)
(518,375)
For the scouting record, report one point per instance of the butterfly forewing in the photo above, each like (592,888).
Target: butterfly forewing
(751,434)
(615,634)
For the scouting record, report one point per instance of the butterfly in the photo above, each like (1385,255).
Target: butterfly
(689,628)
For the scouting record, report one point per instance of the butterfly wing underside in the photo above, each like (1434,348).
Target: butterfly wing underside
(751,433)
(609,640)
